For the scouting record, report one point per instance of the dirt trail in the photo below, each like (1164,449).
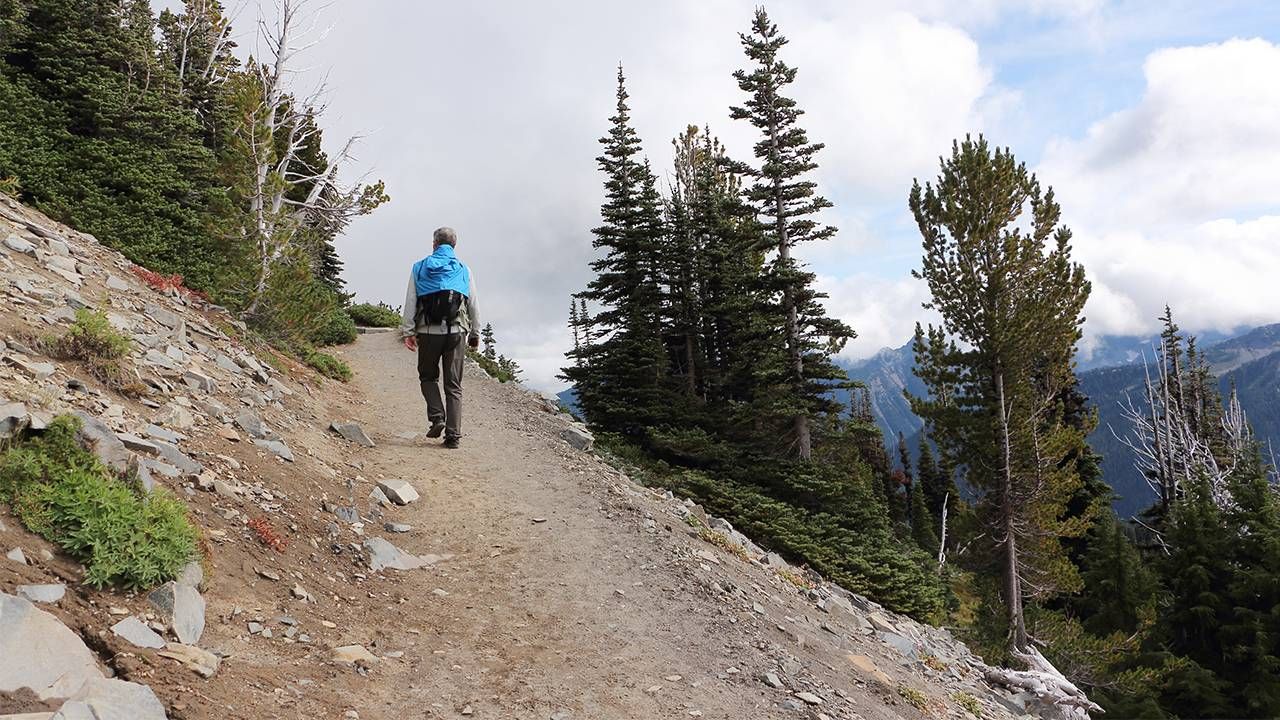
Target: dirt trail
(557,600)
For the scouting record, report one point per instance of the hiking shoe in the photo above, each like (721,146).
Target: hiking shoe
(452,443)
(436,430)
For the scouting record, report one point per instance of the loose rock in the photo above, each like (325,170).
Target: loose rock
(137,633)
(398,491)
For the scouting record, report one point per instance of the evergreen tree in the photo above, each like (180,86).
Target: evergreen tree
(1250,631)
(1118,587)
(995,403)
(786,203)
(103,141)
(487,339)
(622,382)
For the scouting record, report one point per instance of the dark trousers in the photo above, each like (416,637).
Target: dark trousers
(435,352)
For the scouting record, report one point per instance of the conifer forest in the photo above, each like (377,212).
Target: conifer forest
(703,352)
(704,356)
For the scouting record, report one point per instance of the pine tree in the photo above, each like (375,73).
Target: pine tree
(1250,631)
(622,382)
(995,404)
(1117,585)
(786,203)
(487,339)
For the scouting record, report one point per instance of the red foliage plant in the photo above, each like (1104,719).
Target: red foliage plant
(267,535)
(165,283)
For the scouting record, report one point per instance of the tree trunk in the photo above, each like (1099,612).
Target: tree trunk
(1008,514)
(800,424)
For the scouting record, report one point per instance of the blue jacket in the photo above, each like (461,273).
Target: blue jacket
(441,270)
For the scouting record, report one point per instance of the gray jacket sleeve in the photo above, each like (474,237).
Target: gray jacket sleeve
(409,310)
(473,309)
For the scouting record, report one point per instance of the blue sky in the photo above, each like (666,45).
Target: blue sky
(1158,123)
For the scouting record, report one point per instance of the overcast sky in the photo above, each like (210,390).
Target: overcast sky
(1157,124)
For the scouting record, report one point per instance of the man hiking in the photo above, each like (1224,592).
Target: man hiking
(439,308)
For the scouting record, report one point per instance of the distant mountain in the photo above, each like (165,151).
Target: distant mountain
(1249,361)
(569,397)
(887,374)
(1114,350)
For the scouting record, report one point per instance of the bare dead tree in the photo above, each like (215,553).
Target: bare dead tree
(942,544)
(275,130)
(1046,682)
(1168,447)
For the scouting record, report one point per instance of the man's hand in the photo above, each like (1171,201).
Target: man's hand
(474,341)
(411,343)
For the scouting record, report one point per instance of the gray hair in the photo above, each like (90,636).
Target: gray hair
(445,236)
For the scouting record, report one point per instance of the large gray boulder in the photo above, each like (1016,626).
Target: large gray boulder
(182,607)
(102,699)
(36,649)
(101,441)
(578,436)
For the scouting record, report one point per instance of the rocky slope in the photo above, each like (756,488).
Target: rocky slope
(360,571)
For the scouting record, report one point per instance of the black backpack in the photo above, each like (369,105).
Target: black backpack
(442,306)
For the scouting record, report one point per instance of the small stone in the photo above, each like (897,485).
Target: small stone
(49,593)
(255,628)
(17,244)
(809,698)
(202,662)
(394,527)
(183,609)
(276,447)
(17,556)
(352,432)
(398,491)
(301,593)
(137,633)
(269,574)
(673,678)
(354,655)
(773,681)
(192,575)
(117,284)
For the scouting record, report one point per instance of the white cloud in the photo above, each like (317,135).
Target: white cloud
(883,311)
(1203,142)
(1174,200)
(487,114)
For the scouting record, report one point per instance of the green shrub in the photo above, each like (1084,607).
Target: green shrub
(328,365)
(99,347)
(380,315)
(92,337)
(66,495)
(336,328)
(502,372)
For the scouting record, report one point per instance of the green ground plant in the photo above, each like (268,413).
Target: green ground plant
(66,495)
(328,365)
(370,315)
(98,347)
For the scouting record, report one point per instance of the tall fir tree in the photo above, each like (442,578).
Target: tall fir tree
(1011,303)
(622,381)
(801,372)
